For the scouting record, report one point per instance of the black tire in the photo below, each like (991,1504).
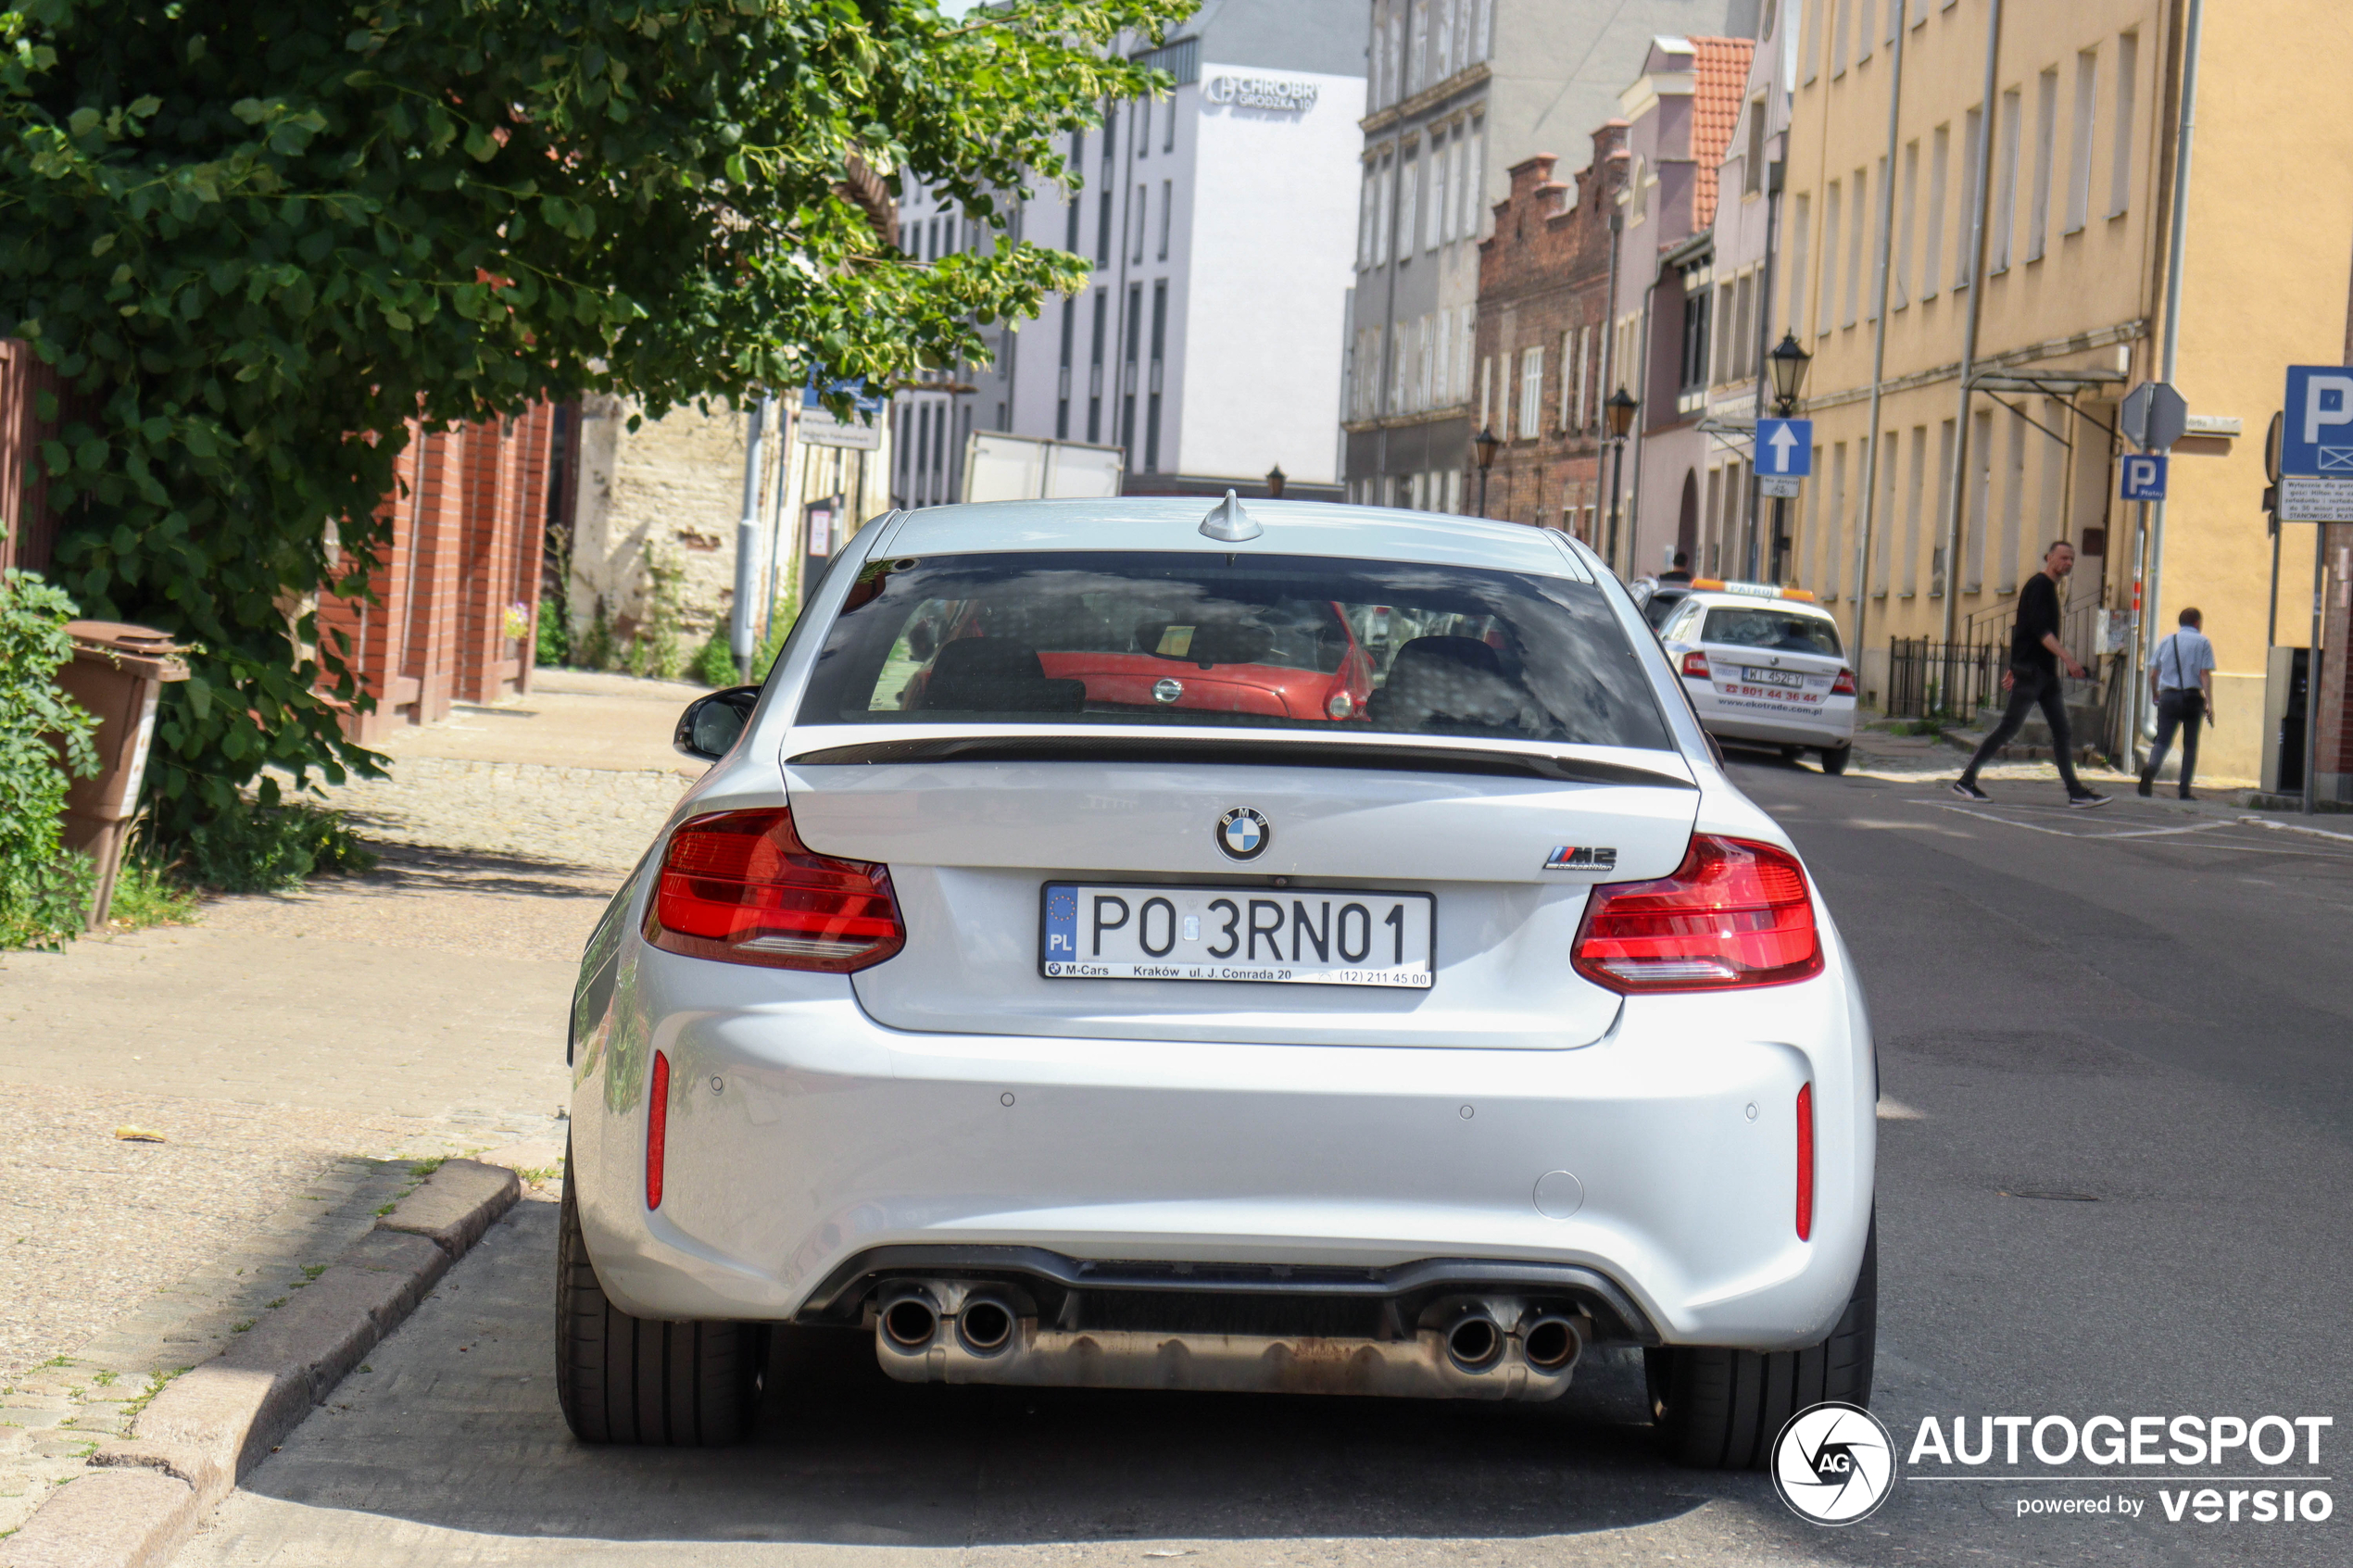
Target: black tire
(1834,761)
(639,1380)
(1720,1409)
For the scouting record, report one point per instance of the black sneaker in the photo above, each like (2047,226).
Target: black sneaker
(2087,799)
(2187,796)
(2147,788)
(1967,789)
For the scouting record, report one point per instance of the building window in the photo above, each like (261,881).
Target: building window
(1408,192)
(1486,393)
(1133,341)
(1974,159)
(1167,213)
(1531,393)
(1144,127)
(1854,258)
(2038,223)
(2120,177)
(1143,215)
(2001,235)
(1794,290)
(1899,287)
(1160,353)
(1432,226)
(2079,147)
(1483,30)
(1444,42)
(1694,365)
(1095,370)
(1752,164)
(1365,202)
(1062,402)
(1743,354)
(1932,253)
(1380,219)
(1474,182)
(1826,309)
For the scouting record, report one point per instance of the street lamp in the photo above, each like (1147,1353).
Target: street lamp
(1621,409)
(1487,442)
(1788,363)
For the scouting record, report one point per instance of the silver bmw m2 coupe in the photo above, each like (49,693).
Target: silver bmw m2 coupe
(1302,947)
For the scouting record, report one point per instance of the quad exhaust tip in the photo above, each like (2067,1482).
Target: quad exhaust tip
(910,1323)
(985,1325)
(1475,1343)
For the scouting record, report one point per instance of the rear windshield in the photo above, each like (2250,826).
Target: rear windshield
(1182,639)
(1783,631)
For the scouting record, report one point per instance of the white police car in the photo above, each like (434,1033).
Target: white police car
(1763,665)
(982,1001)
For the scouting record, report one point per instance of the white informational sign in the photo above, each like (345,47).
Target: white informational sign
(819,428)
(2306,500)
(1784,487)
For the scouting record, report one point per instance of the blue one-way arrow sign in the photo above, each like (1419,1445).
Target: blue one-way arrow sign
(1785,447)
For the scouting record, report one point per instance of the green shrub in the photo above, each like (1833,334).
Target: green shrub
(146,894)
(45,894)
(715,662)
(656,650)
(554,644)
(260,847)
(596,647)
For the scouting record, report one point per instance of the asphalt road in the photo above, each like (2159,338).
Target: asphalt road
(2116,1056)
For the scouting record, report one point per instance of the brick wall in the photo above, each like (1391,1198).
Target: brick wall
(468,516)
(1543,285)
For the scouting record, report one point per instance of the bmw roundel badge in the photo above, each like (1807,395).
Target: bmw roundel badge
(1244,834)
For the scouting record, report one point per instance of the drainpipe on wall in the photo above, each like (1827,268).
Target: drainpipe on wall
(1609,374)
(1879,353)
(1978,221)
(741,639)
(1759,548)
(1641,418)
(2143,707)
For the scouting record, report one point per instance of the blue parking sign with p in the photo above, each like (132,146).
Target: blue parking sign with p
(2316,439)
(2143,476)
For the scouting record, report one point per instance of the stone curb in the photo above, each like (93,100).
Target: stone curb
(142,1499)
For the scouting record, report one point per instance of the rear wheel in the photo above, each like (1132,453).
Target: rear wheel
(1720,1409)
(639,1380)
(1834,758)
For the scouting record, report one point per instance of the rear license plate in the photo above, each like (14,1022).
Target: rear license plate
(1772,677)
(1300,936)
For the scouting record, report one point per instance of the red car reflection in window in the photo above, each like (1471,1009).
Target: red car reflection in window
(1306,664)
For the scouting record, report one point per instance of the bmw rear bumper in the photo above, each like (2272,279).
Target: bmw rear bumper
(802,1136)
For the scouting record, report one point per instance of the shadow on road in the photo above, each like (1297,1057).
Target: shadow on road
(456,1427)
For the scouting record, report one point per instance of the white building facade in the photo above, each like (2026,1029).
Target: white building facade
(1219,225)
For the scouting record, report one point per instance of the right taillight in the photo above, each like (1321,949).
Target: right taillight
(1695,667)
(1735,913)
(1845,684)
(740,887)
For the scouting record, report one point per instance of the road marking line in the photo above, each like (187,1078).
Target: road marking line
(2297,827)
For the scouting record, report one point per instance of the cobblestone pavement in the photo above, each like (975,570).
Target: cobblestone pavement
(298,1054)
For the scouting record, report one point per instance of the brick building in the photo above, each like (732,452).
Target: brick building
(1542,320)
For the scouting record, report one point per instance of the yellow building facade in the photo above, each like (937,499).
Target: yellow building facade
(2085,114)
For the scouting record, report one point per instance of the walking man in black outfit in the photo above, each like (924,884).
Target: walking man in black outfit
(2035,655)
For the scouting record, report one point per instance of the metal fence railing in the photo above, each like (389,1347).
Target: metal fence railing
(1931,680)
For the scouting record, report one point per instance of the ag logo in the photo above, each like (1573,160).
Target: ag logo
(1833,1463)
(1243,833)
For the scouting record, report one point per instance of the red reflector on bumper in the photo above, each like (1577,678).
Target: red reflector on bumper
(657,1130)
(1806,1163)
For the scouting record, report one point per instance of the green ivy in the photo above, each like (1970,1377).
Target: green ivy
(45,894)
(256,239)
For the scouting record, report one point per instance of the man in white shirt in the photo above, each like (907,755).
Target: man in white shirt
(2182,673)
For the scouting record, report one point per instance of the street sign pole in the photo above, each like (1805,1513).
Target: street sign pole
(2312,669)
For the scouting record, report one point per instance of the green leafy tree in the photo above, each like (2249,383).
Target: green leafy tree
(257,238)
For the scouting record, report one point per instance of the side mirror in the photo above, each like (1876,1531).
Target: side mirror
(712,724)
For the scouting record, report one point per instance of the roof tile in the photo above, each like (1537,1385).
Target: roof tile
(1719,79)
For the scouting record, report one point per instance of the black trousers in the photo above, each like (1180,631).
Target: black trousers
(2030,687)
(2182,709)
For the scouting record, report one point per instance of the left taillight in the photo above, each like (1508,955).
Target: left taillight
(1845,684)
(740,887)
(1736,913)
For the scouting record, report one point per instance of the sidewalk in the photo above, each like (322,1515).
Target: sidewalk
(296,1053)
